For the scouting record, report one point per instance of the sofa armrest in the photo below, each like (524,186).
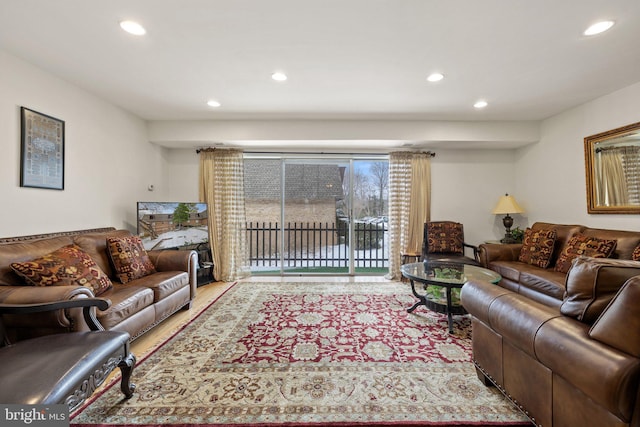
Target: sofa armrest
(619,324)
(85,303)
(170,260)
(604,373)
(490,252)
(69,319)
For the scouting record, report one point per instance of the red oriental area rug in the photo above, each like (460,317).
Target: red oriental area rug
(304,354)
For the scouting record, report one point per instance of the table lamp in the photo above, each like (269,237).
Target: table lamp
(507,205)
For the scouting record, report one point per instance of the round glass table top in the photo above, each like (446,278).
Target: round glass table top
(448,273)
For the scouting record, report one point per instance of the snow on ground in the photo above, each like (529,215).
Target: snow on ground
(177,238)
(362,258)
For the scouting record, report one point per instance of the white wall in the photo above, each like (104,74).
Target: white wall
(182,172)
(550,175)
(108,161)
(465,187)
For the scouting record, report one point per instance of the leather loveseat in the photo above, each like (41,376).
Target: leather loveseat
(136,306)
(565,348)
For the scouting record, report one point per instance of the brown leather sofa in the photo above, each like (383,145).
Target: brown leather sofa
(136,306)
(565,348)
(544,284)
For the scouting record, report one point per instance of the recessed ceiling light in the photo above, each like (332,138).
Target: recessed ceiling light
(133,27)
(213,103)
(480,104)
(598,27)
(279,77)
(435,77)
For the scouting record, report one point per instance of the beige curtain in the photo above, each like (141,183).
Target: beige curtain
(409,204)
(631,167)
(612,186)
(222,188)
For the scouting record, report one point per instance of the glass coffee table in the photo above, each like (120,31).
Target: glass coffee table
(442,283)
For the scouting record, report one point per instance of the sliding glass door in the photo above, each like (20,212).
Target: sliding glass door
(309,215)
(316,220)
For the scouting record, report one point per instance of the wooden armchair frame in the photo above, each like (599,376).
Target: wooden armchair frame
(63,368)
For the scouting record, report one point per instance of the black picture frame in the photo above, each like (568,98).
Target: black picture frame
(41,150)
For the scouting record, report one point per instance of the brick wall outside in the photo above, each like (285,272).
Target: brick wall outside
(321,212)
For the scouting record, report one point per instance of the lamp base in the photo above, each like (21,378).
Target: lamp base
(507,221)
(508,239)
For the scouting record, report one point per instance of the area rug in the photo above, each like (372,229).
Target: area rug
(309,354)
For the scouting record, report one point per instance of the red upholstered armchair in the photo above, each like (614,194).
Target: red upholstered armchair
(444,242)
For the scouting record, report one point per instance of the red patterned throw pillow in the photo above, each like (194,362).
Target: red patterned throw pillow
(445,237)
(68,265)
(129,257)
(537,247)
(581,245)
(636,254)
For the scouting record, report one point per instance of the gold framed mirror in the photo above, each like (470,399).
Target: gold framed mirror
(612,164)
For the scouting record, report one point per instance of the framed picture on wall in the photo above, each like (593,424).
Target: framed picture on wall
(41,150)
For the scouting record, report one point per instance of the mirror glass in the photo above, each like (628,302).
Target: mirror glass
(612,162)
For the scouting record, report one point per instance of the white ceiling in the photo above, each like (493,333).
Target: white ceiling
(346,59)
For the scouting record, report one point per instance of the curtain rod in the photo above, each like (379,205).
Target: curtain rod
(619,147)
(206,149)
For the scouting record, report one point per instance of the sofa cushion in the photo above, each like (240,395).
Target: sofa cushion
(68,265)
(636,254)
(619,324)
(582,245)
(126,300)
(129,258)
(445,237)
(537,247)
(508,269)
(163,283)
(592,283)
(544,281)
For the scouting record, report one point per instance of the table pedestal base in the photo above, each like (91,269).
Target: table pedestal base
(447,309)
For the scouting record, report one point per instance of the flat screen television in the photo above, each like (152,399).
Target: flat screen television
(173,225)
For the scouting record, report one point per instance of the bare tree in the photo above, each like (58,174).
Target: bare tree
(380,180)
(361,189)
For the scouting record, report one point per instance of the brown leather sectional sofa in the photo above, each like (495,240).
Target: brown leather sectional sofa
(564,347)
(136,306)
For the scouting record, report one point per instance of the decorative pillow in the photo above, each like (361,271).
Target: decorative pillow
(537,247)
(581,245)
(445,237)
(129,258)
(68,265)
(636,254)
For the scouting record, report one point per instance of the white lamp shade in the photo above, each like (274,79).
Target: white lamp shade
(507,205)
